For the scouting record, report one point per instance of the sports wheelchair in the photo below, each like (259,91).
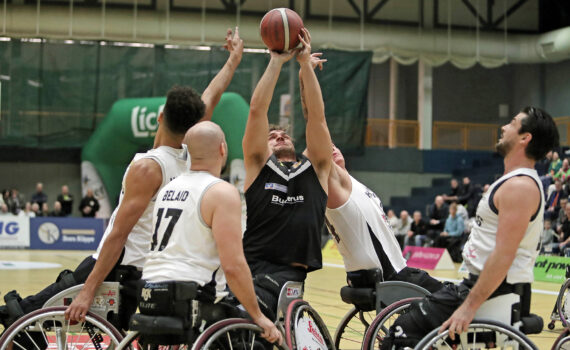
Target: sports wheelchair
(47,327)
(561,311)
(369,302)
(497,325)
(300,324)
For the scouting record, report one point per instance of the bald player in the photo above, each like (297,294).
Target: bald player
(197,220)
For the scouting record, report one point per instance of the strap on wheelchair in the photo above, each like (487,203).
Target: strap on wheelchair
(364,278)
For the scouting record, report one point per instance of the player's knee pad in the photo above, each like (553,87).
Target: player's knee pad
(65,280)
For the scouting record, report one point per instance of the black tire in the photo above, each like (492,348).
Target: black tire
(563,341)
(48,327)
(488,332)
(232,333)
(303,322)
(563,303)
(351,329)
(379,327)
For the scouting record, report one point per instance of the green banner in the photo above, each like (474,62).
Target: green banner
(551,268)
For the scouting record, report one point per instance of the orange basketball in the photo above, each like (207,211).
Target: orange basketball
(280,29)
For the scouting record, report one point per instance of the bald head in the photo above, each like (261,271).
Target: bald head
(204,141)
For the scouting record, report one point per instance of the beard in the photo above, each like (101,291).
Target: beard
(285,152)
(503,148)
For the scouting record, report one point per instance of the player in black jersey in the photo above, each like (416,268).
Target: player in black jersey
(286,196)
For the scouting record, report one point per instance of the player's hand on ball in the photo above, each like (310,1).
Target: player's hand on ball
(234,44)
(304,55)
(282,57)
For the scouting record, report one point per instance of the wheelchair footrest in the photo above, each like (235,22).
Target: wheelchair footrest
(157,325)
(363,298)
(532,324)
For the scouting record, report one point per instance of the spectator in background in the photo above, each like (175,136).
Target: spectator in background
(2,202)
(548,237)
(89,205)
(27,211)
(66,200)
(39,197)
(468,197)
(57,210)
(564,234)
(45,210)
(553,202)
(402,228)
(542,165)
(561,213)
(555,164)
(36,210)
(392,219)
(15,202)
(418,230)
(454,190)
(451,236)
(4,210)
(437,213)
(564,173)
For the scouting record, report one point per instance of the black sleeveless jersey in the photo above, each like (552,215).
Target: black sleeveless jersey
(285,214)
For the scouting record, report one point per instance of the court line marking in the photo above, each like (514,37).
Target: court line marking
(538,291)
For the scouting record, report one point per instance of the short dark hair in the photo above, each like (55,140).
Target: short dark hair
(184,108)
(543,130)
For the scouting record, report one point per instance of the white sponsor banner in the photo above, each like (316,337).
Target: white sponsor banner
(14,231)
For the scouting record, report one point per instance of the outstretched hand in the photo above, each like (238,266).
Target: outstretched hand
(234,44)
(316,60)
(304,55)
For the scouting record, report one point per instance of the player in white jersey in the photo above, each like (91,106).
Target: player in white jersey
(504,242)
(197,220)
(356,220)
(130,227)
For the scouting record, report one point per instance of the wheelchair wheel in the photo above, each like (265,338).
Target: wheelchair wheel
(481,334)
(378,329)
(47,328)
(133,341)
(350,331)
(232,333)
(304,328)
(563,341)
(563,303)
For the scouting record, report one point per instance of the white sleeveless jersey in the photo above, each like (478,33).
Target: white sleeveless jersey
(483,234)
(362,233)
(173,162)
(184,248)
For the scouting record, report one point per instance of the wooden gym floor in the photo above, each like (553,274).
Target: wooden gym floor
(321,290)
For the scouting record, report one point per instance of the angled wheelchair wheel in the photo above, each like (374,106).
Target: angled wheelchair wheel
(378,329)
(48,329)
(134,341)
(304,328)
(563,303)
(481,334)
(231,334)
(351,329)
(563,341)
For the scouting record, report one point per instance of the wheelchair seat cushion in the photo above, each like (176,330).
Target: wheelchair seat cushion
(363,298)
(156,325)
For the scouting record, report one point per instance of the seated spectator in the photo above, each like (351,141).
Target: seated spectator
(548,237)
(553,168)
(542,165)
(36,210)
(392,218)
(4,210)
(418,230)
(469,196)
(454,191)
(561,214)
(437,213)
(564,235)
(45,210)
(402,227)
(452,234)
(89,205)
(553,202)
(57,210)
(15,202)
(564,173)
(66,200)
(27,211)
(39,196)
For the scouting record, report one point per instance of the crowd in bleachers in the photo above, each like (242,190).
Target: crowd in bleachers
(13,202)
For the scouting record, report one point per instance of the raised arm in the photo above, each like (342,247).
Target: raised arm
(219,84)
(516,201)
(255,148)
(142,182)
(221,210)
(319,144)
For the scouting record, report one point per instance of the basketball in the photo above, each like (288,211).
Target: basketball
(280,29)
